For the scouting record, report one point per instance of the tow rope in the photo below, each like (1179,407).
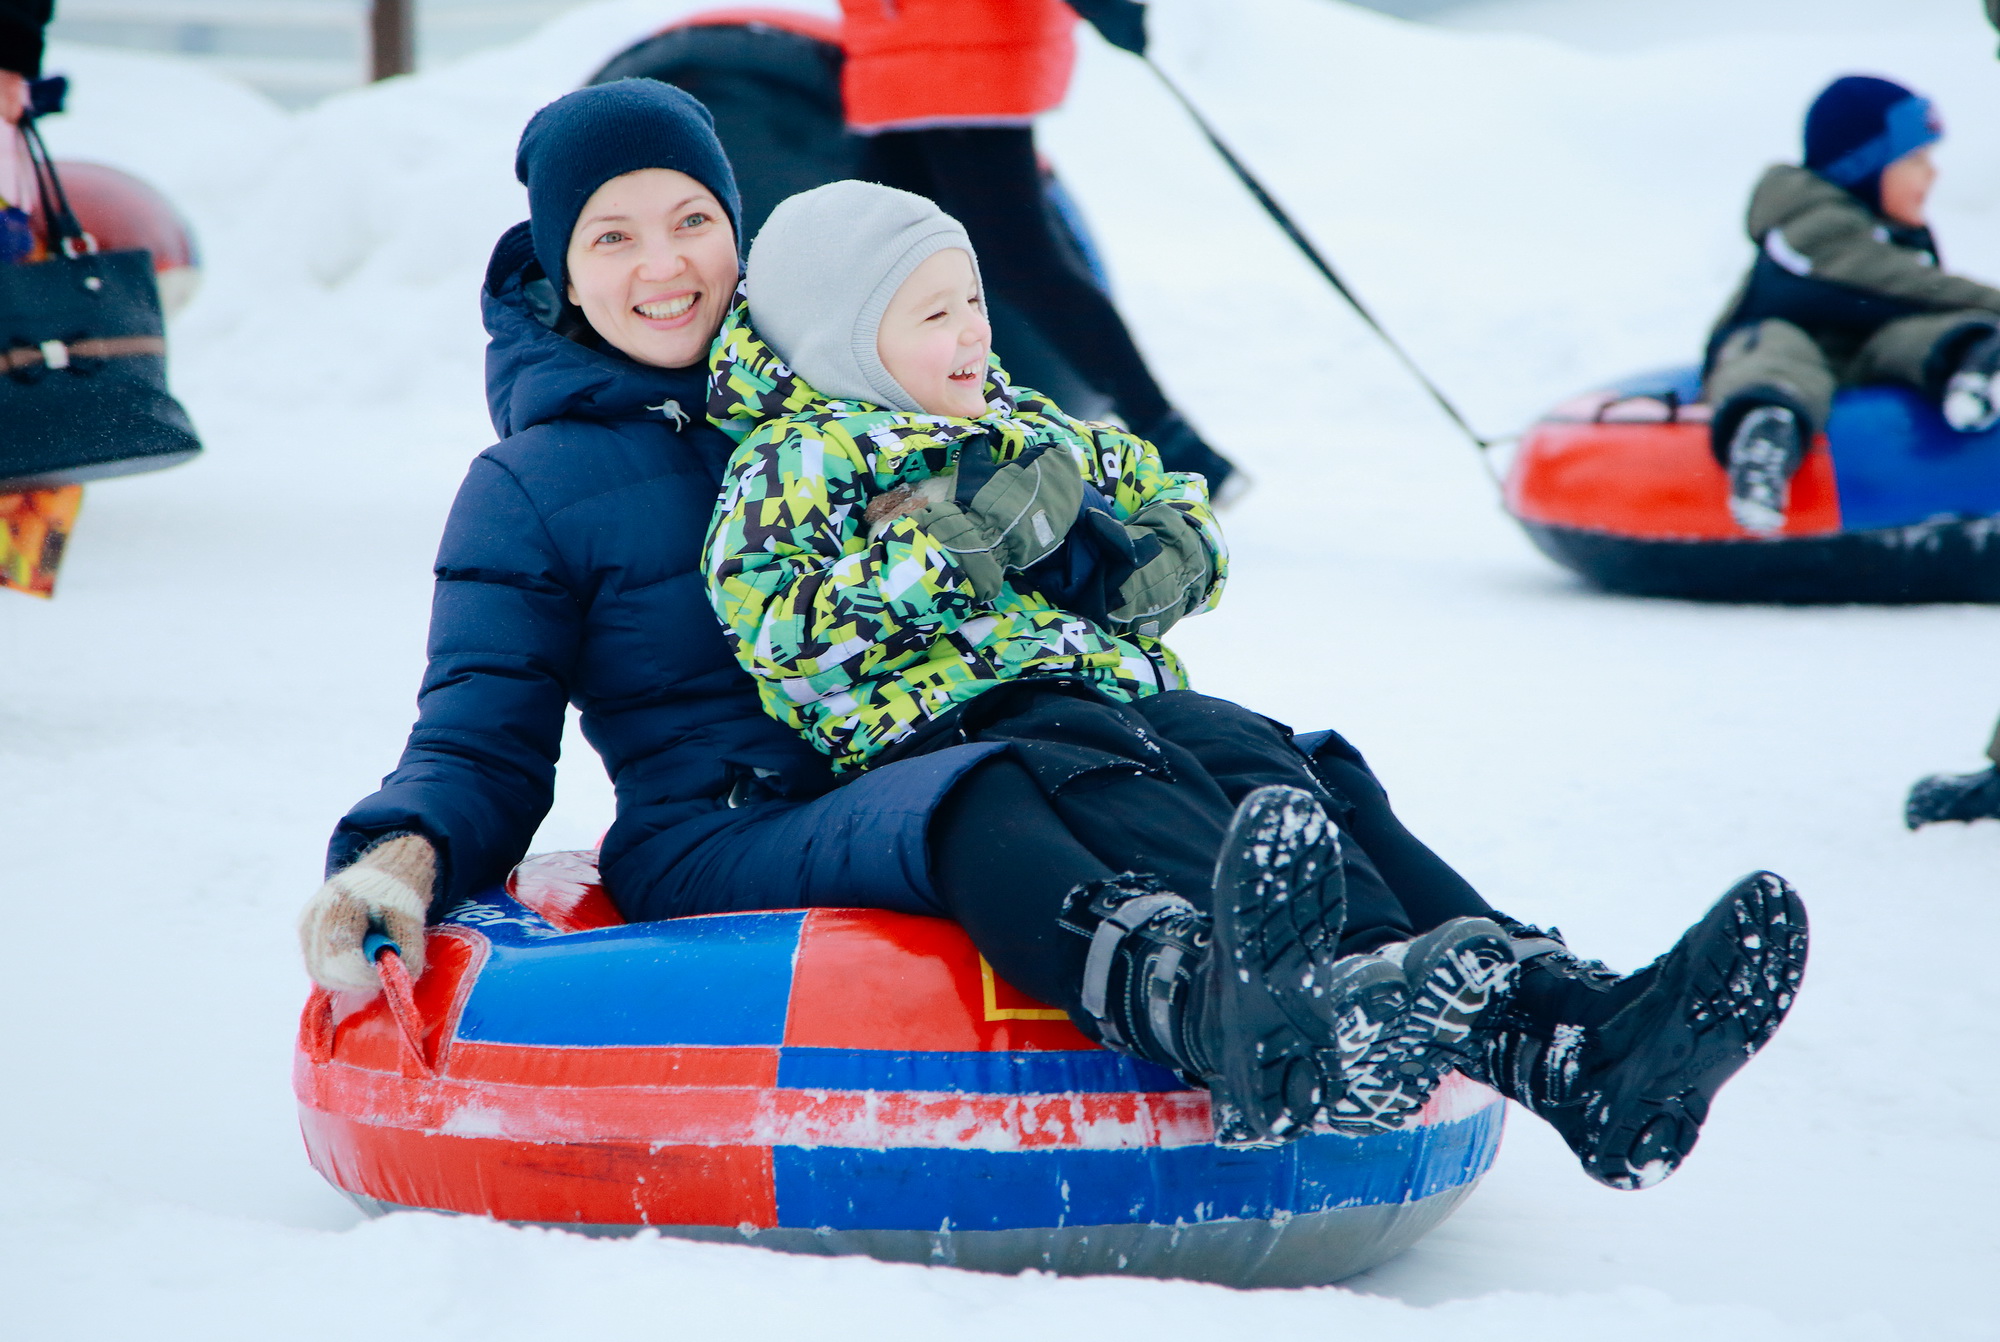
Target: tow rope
(1304,244)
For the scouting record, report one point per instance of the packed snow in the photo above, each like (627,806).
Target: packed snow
(231,656)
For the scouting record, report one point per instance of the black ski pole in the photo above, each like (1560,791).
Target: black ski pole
(1304,244)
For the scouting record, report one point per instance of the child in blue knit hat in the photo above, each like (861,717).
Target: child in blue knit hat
(1847,288)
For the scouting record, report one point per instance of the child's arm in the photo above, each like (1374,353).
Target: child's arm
(1841,245)
(806,598)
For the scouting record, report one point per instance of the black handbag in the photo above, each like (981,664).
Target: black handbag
(83,368)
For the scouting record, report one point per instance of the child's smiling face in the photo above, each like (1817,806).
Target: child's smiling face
(934,337)
(1906,187)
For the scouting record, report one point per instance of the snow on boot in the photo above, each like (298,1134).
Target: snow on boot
(1625,1068)
(1971,402)
(1962,797)
(1235,1001)
(1450,977)
(1366,1000)
(1763,452)
(1280,904)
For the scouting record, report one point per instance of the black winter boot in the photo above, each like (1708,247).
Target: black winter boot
(1146,983)
(1765,450)
(1963,797)
(1971,400)
(1280,906)
(1450,977)
(1625,1068)
(1235,1002)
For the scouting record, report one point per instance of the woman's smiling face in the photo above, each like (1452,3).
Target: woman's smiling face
(652,263)
(934,336)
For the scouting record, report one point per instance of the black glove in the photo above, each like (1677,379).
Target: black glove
(1122,22)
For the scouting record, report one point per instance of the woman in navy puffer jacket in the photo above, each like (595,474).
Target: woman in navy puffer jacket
(569,573)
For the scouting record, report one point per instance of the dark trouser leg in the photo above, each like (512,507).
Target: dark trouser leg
(1430,891)
(986,177)
(1087,794)
(1010,843)
(1398,887)
(1135,801)
(1004,862)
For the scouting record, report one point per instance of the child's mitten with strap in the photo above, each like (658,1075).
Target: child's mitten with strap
(1173,575)
(1002,518)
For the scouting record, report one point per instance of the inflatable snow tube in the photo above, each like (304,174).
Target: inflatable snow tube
(829,1081)
(1889,506)
(124,213)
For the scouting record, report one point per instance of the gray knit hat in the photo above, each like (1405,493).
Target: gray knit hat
(822,272)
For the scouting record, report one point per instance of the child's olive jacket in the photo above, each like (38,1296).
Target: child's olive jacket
(855,639)
(1836,269)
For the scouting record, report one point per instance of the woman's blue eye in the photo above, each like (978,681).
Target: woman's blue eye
(695,220)
(613,236)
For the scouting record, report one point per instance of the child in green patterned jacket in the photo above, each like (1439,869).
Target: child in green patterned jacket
(900,528)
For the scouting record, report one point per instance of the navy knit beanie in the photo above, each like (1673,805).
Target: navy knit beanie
(584,139)
(1859,125)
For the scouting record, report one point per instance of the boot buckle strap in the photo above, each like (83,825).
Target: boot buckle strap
(1112,929)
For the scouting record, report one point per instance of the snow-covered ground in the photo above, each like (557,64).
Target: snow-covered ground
(231,659)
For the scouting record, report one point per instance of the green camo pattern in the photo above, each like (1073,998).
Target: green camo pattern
(854,641)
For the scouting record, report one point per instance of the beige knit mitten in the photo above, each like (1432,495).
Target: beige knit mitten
(390,884)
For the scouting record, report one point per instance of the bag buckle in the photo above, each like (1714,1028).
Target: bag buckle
(86,244)
(55,355)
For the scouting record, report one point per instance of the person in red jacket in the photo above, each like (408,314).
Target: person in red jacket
(948,92)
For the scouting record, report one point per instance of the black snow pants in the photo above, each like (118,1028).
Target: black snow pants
(1092,787)
(987,178)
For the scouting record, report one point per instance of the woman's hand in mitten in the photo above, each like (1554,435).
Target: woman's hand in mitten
(1173,573)
(391,884)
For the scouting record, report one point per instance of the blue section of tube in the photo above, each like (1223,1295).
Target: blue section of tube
(694,982)
(840,1188)
(1896,462)
(1098,1071)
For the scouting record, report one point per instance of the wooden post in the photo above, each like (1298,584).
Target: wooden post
(392,38)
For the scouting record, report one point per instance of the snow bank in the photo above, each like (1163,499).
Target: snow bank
(231,661)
